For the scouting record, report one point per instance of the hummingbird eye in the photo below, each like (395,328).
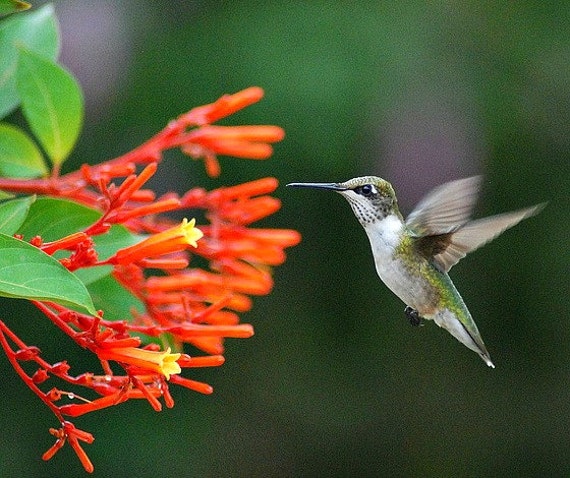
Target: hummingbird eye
(366,190)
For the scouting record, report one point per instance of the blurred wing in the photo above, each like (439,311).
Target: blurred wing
(446,208)
(473,235)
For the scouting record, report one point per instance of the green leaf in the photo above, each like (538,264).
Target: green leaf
(28,273)
(111,297)
(12,6)
(118,304)
(37,31)
(13,214)
(53,219)
(19,155)
(52,103)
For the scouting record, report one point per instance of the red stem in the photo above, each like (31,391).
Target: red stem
(11,355)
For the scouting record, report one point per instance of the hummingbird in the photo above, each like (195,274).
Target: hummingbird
(413,256)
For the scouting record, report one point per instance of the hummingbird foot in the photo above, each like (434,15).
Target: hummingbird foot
(415,319)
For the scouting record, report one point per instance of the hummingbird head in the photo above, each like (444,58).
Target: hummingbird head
(370,197)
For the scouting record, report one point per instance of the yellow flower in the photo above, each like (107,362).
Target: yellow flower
(191,233)
(163,362)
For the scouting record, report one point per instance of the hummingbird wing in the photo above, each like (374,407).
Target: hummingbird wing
(441,227)
(445,208)
(448,249)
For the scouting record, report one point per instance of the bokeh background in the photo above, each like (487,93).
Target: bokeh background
(336,382)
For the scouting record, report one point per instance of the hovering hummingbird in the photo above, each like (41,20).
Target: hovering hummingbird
(413,257)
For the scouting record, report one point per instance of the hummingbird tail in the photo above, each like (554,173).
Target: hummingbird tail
(447,320)
(487,359)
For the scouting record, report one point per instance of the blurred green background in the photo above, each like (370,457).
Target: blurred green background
(336,382)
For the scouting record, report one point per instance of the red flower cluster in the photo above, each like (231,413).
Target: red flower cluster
(182,304)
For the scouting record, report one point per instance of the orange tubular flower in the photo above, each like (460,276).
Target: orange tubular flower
(239,141)
(224,106)
(68,432)
(175,239)
(160,362)
(250,142)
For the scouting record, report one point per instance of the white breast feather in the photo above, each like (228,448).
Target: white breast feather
(384,237)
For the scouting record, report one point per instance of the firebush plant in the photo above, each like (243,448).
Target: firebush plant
(98,256)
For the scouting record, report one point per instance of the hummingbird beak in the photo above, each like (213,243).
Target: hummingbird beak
(331,186)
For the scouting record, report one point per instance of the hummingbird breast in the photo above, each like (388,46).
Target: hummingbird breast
(409,285)
(404,272)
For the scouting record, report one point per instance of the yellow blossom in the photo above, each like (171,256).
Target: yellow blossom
(191,233)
